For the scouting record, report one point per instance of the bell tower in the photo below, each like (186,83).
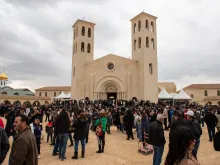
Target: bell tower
(82,53)
(144,51)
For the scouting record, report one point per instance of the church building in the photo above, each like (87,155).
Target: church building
(113,76)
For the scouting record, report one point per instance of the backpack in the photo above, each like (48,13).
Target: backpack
(98,130)
(217,141)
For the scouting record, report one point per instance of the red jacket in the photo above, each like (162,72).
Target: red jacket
(2,123)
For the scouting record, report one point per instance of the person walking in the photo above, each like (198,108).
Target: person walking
(62,124)
(80,125)
(4,145)
(101,124)
(211,122)
(157,139)
(196,129)
(180,147)
(24,147)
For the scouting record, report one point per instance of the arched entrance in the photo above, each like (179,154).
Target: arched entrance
(36,103)
(17,103)
(110,87)
(7,102)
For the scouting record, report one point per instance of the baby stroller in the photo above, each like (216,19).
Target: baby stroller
(145,148)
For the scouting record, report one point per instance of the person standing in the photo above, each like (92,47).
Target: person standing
(49,131)
(165,115)
(218,123)
(129,124)
(100,131)
(9,128)
(4,145)
(109,122)
(80,126)
(211,121)
(196,129)
(24,147)
(62,124)
(157,139)
(36,128)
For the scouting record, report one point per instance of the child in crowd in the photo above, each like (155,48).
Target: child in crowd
(49,130)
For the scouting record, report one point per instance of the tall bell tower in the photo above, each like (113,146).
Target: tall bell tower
(144,51)
(83,52)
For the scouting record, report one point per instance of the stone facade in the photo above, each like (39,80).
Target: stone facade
(112,75)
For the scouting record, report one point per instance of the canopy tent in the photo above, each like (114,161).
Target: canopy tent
(69,96)
(173,94)
(182,96)
(62,96)
(164,95)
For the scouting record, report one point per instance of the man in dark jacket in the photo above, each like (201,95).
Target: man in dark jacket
(179,121)
(24,147)
(4,145)
(197,131)
(157,139)
(211,121)
(62,124)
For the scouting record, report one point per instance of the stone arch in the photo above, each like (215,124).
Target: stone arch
(36,103)
(108,81)
(17,103)
(27,103)
(7,102)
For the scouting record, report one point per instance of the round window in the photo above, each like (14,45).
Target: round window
(110,66)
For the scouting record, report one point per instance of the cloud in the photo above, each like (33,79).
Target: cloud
(36,37)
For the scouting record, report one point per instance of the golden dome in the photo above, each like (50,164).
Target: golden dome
(3,76)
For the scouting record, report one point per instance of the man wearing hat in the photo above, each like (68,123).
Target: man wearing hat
(197,131)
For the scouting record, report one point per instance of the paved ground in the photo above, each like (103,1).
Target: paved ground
(121,152)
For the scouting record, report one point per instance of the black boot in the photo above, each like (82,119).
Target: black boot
(83,154)
(103,146)
(99,151)
(75,155)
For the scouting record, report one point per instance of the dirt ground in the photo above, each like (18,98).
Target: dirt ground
(119,151)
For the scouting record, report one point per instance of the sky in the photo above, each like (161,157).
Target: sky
(36,38)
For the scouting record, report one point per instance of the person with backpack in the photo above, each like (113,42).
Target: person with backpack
(101,124)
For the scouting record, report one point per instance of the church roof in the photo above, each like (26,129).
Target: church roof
(109,55)
(19,92)
(143,13)
(79,20)
(3,76)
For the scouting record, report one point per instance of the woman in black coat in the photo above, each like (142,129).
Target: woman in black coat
(9,129)
(129,123)
(80,125)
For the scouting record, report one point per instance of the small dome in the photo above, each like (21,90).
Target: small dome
(3,76)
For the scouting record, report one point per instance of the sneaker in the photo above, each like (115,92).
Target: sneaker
(39,157)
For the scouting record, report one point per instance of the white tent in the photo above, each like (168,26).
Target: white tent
(164,95)
(62,96)
(173,94)
(69,96)
(182,96)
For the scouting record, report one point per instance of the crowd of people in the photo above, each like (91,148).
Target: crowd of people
(73,120)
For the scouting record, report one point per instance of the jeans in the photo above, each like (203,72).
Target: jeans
(196,147)
(101,141)
(77,144)
(87,136)
(56,146)
(49,135)
(158,153)
(211,131)
(139,132)
(202,121)
(38,144)
(122,127)
(71,138)
(63,137)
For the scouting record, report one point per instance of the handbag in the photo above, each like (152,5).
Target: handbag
(98,130)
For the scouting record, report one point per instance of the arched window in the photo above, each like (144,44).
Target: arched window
(1,82)
(82,47)
(74,70)
(16,93)
(134,28)
(218,93)
(54,94)
(39,93)
(206,93)
(76,31)
(152,27)
(76,47)
(4,83)
(139,42)
(147,42)
(4,93)
(88,48)
(135,44)
(83,31)
(146,24)
(150,68)
(139,25)
(152,43)
(89,32)
(45,94)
